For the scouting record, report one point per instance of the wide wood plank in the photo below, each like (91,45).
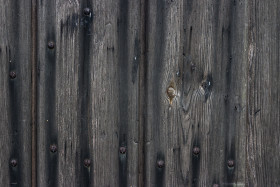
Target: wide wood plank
(88,92)
(15,93)
(195,93)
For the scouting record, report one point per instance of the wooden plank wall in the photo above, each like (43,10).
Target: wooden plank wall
(140,93)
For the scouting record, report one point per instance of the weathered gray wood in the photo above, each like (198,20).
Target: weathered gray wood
(88,92)
(15,93)
(141,93)
(196,53)
(163,28)
(263,125)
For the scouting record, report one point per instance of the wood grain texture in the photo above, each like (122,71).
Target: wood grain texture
(263,164)
(88,92)
(140,93)
(15,93)
(205,52)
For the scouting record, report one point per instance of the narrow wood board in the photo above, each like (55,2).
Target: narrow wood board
(263,99)
(15,93)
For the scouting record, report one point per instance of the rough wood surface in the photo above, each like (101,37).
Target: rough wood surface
(212,93)
(88,92)
(141,93)
(15,93)
(263,101)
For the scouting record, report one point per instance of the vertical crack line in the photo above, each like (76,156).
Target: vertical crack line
(142,93)
(33,92)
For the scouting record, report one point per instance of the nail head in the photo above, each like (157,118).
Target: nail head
(53,148)
(51,45)
(87,11)
(13,74)
(160,163)
(13,162)
(87,162)
(230,163)
(196,150)
(122,150)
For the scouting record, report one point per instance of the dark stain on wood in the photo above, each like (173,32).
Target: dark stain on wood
(122,28)
(84,92)
(157,74)
(159,47)
(154,98)
(50,101)
(229,113)
(229,62)
(72,23)
(15,86)
(15,96)
(216,33)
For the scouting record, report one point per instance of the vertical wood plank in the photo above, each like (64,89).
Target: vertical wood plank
(47,161)
(196,93)
(88,92)
(263,164)
(163,34)
(15,93)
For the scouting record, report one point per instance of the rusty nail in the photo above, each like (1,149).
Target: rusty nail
(51,45)
(196,150)
(160,163)
(230,163)
(87,162)
(87,11)
(122,150)
(13,75)
(13,162)
(53,148)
